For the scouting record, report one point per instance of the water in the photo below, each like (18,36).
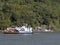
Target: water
(30,39)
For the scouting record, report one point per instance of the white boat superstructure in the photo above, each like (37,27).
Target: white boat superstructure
(24,29)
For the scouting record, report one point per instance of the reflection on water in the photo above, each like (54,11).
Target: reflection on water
(30,39)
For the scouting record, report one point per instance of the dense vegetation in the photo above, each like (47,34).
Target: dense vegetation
(32,12)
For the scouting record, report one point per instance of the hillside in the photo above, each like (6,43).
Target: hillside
(32,12)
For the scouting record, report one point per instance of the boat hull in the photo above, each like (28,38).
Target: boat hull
(10,32)
(18,32)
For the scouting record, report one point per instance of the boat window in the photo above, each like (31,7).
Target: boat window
(22,29)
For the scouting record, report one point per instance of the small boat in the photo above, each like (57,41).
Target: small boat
(19,30)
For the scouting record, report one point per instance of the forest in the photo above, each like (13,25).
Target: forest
(33,12)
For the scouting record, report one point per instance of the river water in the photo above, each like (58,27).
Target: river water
(30,39)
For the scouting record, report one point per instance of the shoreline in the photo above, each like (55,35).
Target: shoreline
(1,31)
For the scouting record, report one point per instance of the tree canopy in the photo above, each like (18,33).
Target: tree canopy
(32,12)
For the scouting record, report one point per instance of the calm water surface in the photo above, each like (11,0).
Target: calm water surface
(30,39)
